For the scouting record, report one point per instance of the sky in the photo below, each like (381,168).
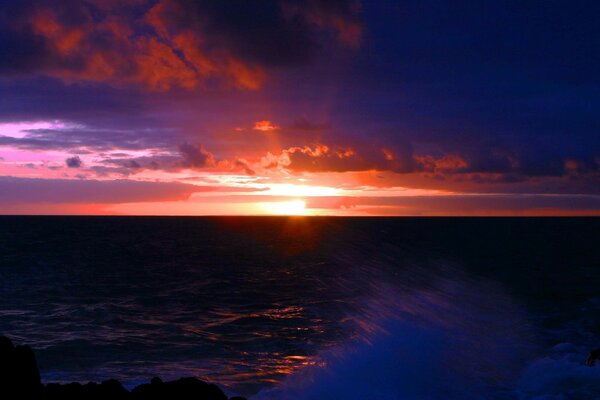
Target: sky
(239,107)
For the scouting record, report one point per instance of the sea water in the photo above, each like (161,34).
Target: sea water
(310,308)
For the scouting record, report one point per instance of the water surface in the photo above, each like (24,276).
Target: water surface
(310,307)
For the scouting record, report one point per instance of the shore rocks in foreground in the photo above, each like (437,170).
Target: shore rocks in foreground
(184,389)
(20,379)
(593,357)
(18,371)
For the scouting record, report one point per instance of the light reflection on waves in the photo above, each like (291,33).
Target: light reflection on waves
(434,333)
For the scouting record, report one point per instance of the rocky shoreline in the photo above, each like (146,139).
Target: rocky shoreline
(20,379)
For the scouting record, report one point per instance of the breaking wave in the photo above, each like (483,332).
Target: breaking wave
(452,338)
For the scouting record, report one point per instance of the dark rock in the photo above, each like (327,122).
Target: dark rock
(156,381)
(70,391)
(593,357)
(112,390)
(20,379)
(181,389)
(107,390)
(19,372)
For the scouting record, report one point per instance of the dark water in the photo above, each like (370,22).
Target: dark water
(310,308)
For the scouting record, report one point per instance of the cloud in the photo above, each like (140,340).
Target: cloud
(168,44)
(56,191)
(445,163)
(188,156)
(324,158)
(127,165)
(270,33)
(265,126)
(303,124)
(495,165)
(83,138)
(245,166)
(484,204)
(73,162)
(24,190)
(194,156)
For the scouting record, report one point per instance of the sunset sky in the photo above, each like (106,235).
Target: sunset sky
(176,107)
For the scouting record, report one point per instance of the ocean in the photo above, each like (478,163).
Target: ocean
(310,307)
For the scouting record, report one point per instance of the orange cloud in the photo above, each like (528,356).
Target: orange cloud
(324,158)
(165,44)
(343,21)
(321,158)
(366,157)
(265,126)
(205,64)
(446,163)
(159,60)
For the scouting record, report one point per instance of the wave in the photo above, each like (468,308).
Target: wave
(452,337)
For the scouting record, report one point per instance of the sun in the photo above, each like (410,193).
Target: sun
(292,207)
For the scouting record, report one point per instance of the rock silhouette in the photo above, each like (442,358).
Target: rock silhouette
(20,379)
(19,372)
(593,357)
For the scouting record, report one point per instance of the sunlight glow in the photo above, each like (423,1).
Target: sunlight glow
(288,189)
(292,207)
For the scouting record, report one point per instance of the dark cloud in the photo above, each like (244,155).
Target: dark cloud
(484,183)
(169,43)
(303,124)
(42,98)
(489,204)
(399,158)
(338,158)
(23,190)
(73,162)
(127,165)
(325,159)
(21,51)
(83,138)
(104,171)
(56,191)
(517,158)
(269,32)
(496,168)
(194,156)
